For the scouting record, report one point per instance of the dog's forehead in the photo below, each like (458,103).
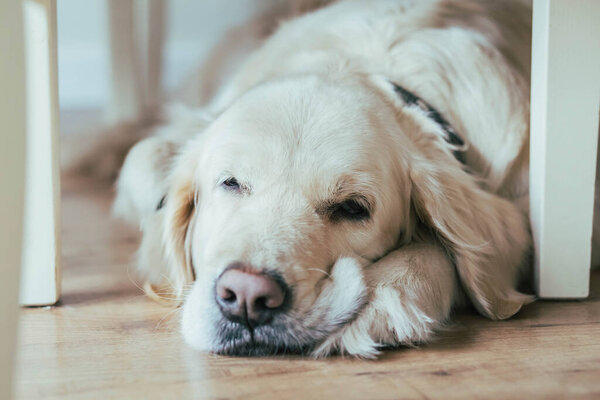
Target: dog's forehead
(310,124)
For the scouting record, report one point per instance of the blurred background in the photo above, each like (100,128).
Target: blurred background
(192,30)
(121,61)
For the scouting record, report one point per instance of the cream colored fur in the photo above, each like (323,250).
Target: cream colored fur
(312,118)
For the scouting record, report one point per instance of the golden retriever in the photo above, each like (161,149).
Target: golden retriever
(363,173)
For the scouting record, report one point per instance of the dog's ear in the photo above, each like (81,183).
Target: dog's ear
(486,235)
(179,208)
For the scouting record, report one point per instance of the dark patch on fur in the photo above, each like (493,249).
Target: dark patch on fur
(450,134)
(161,203)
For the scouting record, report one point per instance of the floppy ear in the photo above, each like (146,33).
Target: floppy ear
(179,209)
(487,236)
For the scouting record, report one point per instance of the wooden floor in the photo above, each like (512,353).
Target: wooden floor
(106,340)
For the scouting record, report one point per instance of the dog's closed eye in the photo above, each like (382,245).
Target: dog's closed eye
(231,184)
(354,209)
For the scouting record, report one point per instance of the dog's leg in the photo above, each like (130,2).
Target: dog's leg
(412,291)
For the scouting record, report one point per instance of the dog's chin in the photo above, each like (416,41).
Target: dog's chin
(215,334)
(274,339)
(341,300)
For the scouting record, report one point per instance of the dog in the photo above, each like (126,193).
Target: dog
(363,174)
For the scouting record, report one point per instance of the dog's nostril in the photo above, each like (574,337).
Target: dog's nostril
(272,301)
(261,303)
(249,298)
(225,294)
(228,296)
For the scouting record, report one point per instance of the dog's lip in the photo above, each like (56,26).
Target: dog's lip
(248,349)
(239,345)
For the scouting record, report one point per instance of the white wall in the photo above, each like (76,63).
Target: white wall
(193,27)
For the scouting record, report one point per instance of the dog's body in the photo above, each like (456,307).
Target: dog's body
(311,168)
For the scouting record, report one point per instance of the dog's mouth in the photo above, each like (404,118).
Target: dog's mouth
(279,337)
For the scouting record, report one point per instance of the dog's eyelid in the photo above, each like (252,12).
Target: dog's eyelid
(359,198)
(355,207)
(232,184)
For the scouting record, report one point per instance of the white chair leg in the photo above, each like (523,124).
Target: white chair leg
(565,100)
(137,31)
(12,180)
(40,282)
(152,23)
(126,77)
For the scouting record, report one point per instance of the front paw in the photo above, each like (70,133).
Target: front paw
(411,294)
(390,319)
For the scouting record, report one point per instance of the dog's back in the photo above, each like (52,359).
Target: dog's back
(469,59)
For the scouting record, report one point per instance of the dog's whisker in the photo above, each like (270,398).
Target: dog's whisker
(132,280)
(320,270)
(167,315)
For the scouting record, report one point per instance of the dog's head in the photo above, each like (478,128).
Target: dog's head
(277,207)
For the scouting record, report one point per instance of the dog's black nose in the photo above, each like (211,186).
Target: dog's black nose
(249,298)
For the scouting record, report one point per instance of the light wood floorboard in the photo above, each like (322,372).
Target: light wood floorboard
(106,340)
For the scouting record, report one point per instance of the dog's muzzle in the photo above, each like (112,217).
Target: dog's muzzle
(249,298)
(253,304)
(253,313)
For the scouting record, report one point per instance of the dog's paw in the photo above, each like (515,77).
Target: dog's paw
(391,318)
